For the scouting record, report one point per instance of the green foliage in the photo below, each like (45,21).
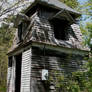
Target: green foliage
(2,89)
(87,34)
(6,37)
(86,9)
(71,3)
(67,84)
(79,81)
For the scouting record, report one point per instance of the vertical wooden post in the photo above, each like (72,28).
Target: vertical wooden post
(14,65)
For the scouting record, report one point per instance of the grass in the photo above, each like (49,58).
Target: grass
(2,89)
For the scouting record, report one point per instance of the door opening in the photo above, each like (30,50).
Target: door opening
(18,73)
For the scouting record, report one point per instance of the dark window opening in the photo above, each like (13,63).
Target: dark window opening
(24,28)
(60,26)
(20,31)
(18,73)
(10,62)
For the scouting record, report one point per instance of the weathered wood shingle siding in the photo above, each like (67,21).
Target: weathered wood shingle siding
(64,64)
(26,71)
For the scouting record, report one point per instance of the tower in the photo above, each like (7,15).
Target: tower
(47,38)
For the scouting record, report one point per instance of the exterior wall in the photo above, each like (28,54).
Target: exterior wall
(41,30)
(64,64)
(11,77)
(9,80)
(34,60)
(26,71)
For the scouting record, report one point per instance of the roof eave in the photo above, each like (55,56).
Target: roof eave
(50,5)
(51,47)
(31,6)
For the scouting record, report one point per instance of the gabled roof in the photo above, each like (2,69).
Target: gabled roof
(56,4)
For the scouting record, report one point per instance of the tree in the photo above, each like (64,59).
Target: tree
(71,3)
(6,35)
(87,34)
(86,27)
(6,38)
(79,81)
(88,9)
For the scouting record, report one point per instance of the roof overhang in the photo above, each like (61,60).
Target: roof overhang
(55,4)
(64,12)
(49,47)
(64,15)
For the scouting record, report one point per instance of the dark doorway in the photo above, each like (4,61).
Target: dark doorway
(18,73)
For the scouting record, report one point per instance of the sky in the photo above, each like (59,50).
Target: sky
(82,1)
(83,16)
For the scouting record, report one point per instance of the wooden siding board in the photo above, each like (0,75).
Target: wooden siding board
(64,64)
(33,63)
(14,64)
(26,71)
(11,77)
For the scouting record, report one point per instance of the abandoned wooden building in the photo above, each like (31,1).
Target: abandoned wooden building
(47,38)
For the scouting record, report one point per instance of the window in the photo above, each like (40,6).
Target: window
(22,29)
(59,26)
(10,62)
(20,32)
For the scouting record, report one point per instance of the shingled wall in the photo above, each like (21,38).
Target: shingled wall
(64,63)
(41,30)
